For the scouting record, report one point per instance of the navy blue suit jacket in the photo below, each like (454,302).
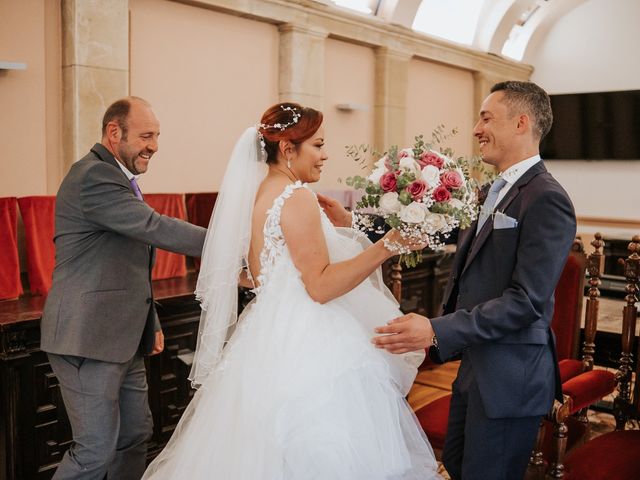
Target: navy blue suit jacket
(499,301)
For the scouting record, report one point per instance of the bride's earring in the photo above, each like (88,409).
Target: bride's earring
(289,163)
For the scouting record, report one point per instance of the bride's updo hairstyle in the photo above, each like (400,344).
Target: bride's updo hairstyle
(289,122)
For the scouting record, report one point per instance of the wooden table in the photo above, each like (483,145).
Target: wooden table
(34,428)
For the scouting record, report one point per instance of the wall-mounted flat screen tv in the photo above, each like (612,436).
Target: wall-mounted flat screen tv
(594,126)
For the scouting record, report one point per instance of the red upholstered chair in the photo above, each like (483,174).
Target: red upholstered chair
(10,285)
(38,216)
(567,313)
(199,211)
(581,385)
(200,207)
(168,264)
(616,455)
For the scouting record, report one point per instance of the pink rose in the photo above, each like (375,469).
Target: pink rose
(388,182)
(441,194)
(431,158)
(417,189)
(451,179)
(387,164)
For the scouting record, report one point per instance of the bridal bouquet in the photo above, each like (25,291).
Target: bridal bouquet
(421,191)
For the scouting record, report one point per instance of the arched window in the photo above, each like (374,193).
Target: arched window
(454,20)
(362,6)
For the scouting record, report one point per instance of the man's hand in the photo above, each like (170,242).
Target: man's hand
(158,346)
(338,215)
(411,332)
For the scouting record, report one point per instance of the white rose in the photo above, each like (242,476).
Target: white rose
(413,213)
(389,203)
(381,163)
(407,151)
(431,175)
(455,203)
(408,163)
(437,221)
(377,174)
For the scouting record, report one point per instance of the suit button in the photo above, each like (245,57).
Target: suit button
(149,300)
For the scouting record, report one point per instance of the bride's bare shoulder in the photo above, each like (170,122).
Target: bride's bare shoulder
(302,205)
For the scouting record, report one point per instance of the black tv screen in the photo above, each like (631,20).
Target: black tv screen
(594,126)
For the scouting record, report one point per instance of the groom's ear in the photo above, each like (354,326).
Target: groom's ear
(524,122)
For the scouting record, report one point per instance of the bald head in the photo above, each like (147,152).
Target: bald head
(119,111)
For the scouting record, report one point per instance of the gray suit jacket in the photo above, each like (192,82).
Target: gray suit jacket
(498,303)
(101,305)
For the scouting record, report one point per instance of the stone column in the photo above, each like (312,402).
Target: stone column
(95,69)
(301,75)
(391,75)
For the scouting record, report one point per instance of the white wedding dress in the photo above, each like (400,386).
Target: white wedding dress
(300,392)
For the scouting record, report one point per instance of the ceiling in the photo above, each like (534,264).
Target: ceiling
(509,28)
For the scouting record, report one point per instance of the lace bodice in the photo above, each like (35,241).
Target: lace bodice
(273,238)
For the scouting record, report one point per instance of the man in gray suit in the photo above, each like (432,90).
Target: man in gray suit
(498,303)
(99,318)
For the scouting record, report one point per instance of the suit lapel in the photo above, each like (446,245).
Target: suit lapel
(487,228)
(105,155)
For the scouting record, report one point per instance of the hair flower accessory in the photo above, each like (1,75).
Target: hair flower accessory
(295,116)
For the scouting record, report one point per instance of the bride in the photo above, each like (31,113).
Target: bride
(298,392)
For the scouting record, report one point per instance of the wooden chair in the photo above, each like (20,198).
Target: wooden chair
(10,284)
(581,385)
(567,313)
(616,455)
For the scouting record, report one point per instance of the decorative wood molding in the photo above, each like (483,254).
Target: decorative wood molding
(609,222)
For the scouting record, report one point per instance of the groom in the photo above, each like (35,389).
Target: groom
(498,303)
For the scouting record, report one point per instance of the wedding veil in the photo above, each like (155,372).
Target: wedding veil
(225,248)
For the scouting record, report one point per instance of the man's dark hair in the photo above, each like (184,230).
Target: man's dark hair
(529,98)
(118,111)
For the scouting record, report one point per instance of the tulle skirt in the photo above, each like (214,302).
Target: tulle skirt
(301,393)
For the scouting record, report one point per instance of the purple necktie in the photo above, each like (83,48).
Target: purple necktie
(136,188)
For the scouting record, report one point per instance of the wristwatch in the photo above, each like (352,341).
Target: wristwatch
(434,341)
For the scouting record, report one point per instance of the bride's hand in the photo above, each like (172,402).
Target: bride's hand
(338,215)
(394,237)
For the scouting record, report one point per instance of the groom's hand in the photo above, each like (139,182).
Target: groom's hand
(404,334)
(338,215)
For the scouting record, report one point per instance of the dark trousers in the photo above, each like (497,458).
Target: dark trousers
(480,448)
(110,418)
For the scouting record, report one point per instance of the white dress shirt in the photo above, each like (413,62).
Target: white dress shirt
(512,174)
(126,171)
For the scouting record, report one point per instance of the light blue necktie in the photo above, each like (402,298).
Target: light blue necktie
(490,202)
(136,188)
